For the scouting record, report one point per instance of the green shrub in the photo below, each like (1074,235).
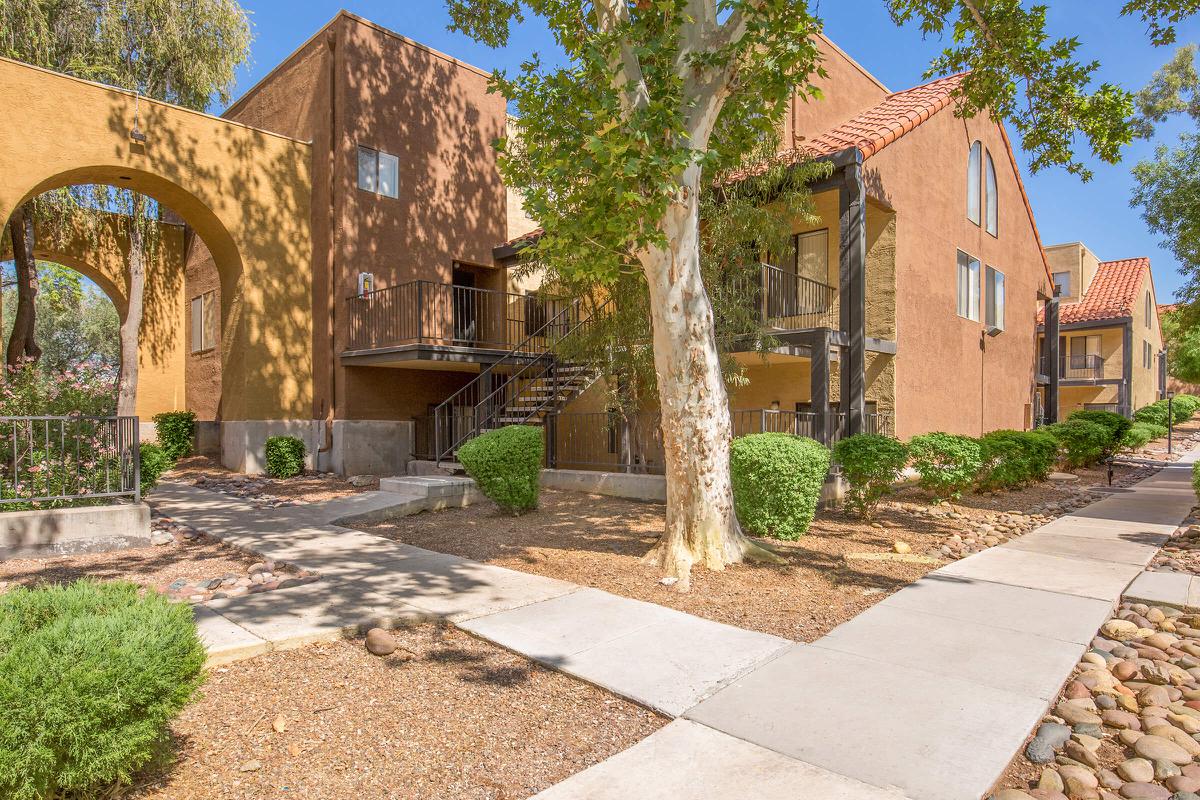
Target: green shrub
(870,464)
(1156,431)
(777,479)
(1115,424)
(507,466)
(1189,404)
(176,430)
(285,456)
(1082,443)
(1196,478)
(154,462)
(1016,458)
(1157,413)
(1138,435)
(90,675)
(947,463)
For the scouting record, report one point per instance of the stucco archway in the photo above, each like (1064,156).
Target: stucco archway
(245,192)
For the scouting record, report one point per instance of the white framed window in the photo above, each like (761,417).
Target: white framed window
(994,315)
(993,210)
(973,167)
(968,286)
(1147,356)
(1062,284)
(204,322)
(378,172)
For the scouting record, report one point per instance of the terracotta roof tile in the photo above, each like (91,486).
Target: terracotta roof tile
(1112,294)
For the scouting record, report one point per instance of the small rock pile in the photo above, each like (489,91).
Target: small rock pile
(262,576)
(1127,724)
(164,530)
(1181,553)
(245,487)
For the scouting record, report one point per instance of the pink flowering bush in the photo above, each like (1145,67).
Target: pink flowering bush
(85,390)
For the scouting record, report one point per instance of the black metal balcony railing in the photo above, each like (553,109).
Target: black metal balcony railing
(424,312)
(793,302)
(1077,367)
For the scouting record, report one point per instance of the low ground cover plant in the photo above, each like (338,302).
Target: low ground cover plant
(175,430)
(90,675)
(871,464)
(777,480)
(1012,459)
(1081,443)
(947,463)
(1116,425)
(285,456)
(506,464)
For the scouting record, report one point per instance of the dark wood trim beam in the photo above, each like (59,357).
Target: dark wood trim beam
(1051,356)
(1125,399)
(852,288)
(818,380)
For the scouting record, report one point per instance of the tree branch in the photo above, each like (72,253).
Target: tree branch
(627,69)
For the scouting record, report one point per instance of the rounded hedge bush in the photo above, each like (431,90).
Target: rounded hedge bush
(1156,431)
(90,675)
(507,465)
(1081,442)
(1015,458)
(285,456)
(946,463)
(777,479)
(1189,403)
(1115,424)
(175,431)
(1158,412)
(870,463)
(1138,435)
(154,462)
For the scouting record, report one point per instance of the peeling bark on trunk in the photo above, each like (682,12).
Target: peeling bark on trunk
(701,526)
(22,344)
(131,325)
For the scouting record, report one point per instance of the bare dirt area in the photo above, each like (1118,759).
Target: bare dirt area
(445,716)
(841,567)
(262,490)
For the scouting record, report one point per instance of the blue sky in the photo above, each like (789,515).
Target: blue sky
(1096,213)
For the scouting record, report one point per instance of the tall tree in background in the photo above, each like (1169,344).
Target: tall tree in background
(76,323)
(611,151)
(180,51)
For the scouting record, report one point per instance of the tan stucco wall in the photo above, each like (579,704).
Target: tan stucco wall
(1074,398)
(1145,329)
(244,191)
(846,90)
(1077,259)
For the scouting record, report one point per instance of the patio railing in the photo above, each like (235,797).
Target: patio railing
(55,461)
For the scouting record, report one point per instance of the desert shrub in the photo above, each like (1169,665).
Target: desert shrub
(90,675)
(1196,478)
(1138,435)
(1115,424)
(154,462)
(176,430)
(507,466)
(1160,412)
(1015,458)
(1081,442)
(946,463)
(777,479)
(1189,404)
(870,464)
(285,456)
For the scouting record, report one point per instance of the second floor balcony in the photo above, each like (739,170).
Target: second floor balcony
(1077,367)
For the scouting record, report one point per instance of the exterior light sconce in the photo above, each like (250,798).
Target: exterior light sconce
(991,331)
(135,133)
(774,405)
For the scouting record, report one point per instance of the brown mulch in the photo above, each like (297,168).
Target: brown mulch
(459,719)
(153,567)
(310,487)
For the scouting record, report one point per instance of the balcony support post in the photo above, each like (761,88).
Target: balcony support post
(1051,359)
(818,377)
(1125,408)
(852,279)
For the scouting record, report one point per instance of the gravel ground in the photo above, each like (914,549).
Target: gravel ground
(263,490)
(449,716)
(598,541)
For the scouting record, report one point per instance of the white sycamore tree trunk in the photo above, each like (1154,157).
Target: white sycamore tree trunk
(701,525)
(131,325)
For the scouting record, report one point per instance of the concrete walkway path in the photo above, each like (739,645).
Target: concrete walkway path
(926,695)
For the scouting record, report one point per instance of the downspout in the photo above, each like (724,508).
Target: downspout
(330,283)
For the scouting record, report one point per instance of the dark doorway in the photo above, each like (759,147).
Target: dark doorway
(466,307)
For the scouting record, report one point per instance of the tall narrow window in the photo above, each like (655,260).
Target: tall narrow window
(973,166)
(993,215)
(378,172)
(812,255)
(204,322)
(1149,312)
(995,298)
(968,286)
(1062,284)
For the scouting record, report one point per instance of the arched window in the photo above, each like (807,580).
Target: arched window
(990,186)
(973,165)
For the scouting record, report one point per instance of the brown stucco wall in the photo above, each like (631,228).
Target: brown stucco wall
(203,368)
(847,90)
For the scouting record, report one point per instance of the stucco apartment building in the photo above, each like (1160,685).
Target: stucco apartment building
(910,306)
(1110,335)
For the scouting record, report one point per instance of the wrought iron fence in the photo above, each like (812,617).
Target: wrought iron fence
(793,302)
(1077,367)
(54,461)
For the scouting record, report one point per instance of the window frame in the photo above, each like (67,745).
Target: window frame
(991,310)
(796,237)
(974,184)
(974,288)
(376,158)
(991,194)
(1067,273)
(1149,311)
(206,323)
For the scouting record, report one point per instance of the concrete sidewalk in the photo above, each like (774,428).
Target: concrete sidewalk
(927,695)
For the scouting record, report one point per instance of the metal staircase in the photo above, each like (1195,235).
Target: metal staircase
(521,388)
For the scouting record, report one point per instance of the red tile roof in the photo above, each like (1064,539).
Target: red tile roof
(1112,294)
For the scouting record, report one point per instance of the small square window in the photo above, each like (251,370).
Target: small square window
(378,172)
(1062,284)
